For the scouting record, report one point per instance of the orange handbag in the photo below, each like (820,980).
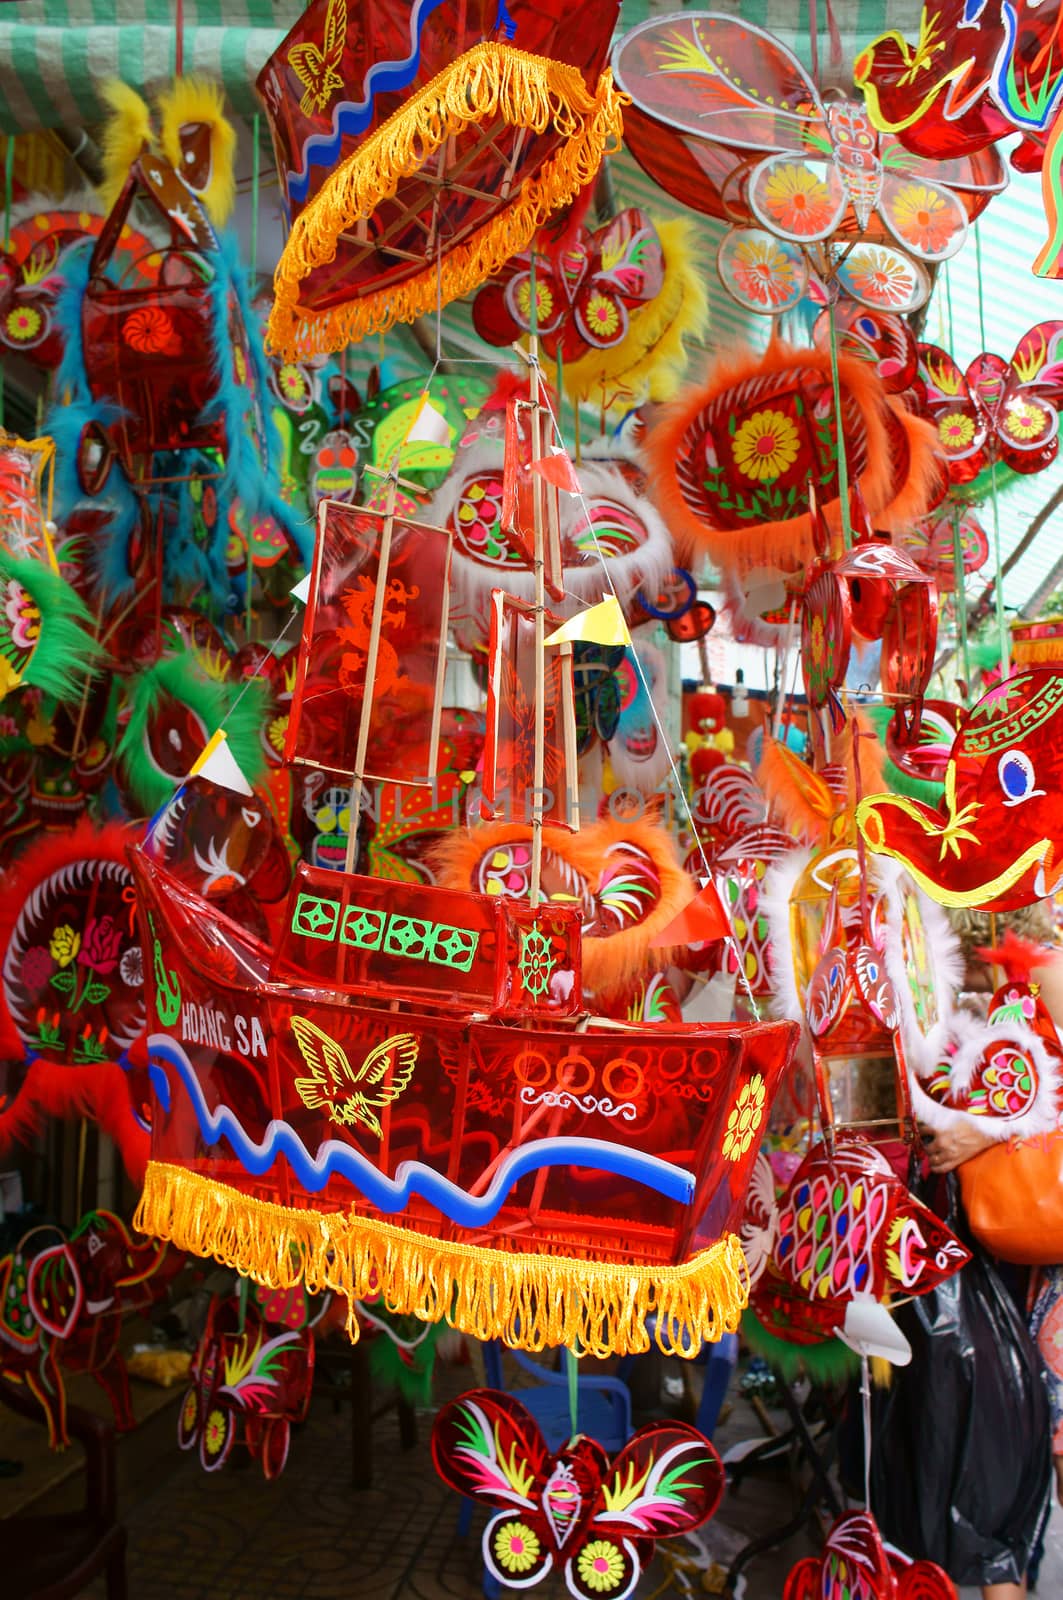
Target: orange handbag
(1013,1197)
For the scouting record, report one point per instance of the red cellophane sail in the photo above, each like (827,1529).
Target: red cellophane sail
(341,1098)
(334,663)
(421,145)
(509,749)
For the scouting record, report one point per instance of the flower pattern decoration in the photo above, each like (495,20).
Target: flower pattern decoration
(761,271)
(101,945)
(601,1566)
(765,445)
(955,430)
(23,324)
(922,219)
(516,1547)
(1025,421)
(64,944)
(23,616)
(880,277)
(798,200)
(745,1118)
(151,331)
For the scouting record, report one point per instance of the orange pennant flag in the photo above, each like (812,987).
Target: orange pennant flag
(557,469)
(702,921)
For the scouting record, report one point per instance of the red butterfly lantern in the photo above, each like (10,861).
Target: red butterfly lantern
(856,1565)
(583,292)
(997,410)
(576,1511)
(726,119)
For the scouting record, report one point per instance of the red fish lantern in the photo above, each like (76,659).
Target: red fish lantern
(994,842)
(847,1228)
(856,1565)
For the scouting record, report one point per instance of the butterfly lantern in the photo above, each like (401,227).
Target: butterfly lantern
(727,120)
(581,296)
(574,1510)
(1006,411)
(856,1565)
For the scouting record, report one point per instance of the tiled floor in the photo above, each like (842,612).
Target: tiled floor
(310,1536)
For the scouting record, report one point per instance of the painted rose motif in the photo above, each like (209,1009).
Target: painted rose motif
(64,944)
(101,945)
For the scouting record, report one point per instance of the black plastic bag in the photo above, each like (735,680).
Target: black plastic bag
(961,1458)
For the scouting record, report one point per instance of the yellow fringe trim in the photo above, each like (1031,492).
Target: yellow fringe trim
(489,81)
(530,1301)
(1036,652)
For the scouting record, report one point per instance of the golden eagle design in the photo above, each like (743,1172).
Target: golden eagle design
(352,1094)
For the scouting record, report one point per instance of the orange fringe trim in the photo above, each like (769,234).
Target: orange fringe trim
(491,80)
(529,1301)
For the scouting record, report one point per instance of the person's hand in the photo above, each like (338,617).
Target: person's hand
(948,1148)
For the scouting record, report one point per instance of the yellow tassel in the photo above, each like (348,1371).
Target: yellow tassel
(531,1301)
(189,101)
(649,362)
(125,133)
(490,81)
(1036,652)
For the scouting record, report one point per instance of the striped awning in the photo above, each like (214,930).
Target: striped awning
(55,55)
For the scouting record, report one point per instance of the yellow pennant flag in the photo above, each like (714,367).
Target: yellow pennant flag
(600,624)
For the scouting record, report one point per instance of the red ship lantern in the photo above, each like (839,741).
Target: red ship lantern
(406,1094)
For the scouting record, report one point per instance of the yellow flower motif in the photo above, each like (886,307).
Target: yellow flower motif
(215,1432)
(746,1116)
(601,316)
(922,219)
(955,430)
(798,201)
(600,1566)
(765,445)
(544,302)
(817,640)
(64,944)
(516,1547)
(763,273)
(1024,421)
(879,277)
(23,322)
(278,733)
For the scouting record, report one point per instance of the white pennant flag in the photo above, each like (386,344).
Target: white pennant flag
(428,425)
(301,591)
(217,764)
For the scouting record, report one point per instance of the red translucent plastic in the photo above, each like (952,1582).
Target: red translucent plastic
(357,75)
(331,682)
(237,1047)
(508,786)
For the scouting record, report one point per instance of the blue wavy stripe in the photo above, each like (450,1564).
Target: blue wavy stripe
(351,116)
(391,1195)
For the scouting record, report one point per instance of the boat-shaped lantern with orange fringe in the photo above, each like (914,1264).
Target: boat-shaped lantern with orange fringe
(420,145)
(407,1095)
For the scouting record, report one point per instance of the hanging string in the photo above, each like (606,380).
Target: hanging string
(843,461)
(572,1368)
(666,746)
(1002,627)
(865,1395)
(179,39)
(9,185)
